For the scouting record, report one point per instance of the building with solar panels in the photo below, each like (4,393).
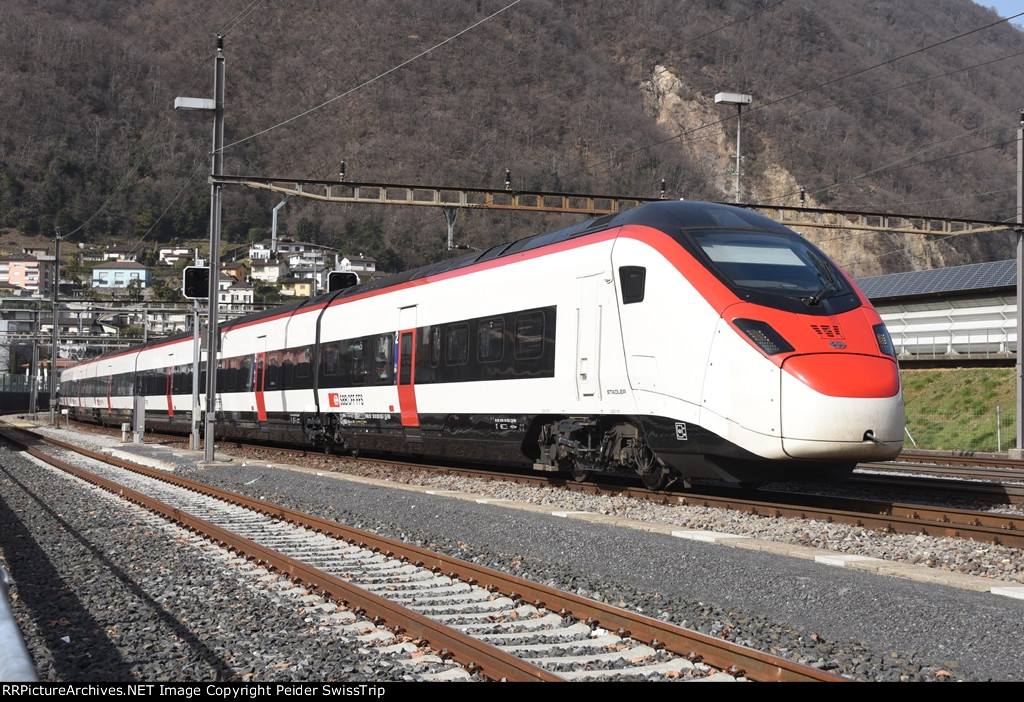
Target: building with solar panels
(964,315)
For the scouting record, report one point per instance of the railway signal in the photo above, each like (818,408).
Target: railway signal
(195,282)
(339,280)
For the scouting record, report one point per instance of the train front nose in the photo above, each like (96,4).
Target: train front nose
(841,404)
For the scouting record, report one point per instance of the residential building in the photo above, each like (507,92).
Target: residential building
(121,252)
(260,251)
(28,272)
(269,270)
(234,295)
(235,269)
(119,274)
(298,287)
(172,254)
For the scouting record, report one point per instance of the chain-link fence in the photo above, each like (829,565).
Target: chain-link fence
(969,429)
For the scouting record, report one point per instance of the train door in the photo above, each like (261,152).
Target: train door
(170,392)
(406,373)
(588,338)
(259,378)
(108,383)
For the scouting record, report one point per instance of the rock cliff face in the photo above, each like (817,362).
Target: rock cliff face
(708,137)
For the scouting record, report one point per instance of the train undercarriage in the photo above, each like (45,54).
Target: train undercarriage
(583,446)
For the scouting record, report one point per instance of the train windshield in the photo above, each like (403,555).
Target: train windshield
(775,269)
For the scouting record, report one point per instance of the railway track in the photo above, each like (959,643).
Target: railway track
(881,514)
(496,626)
(886,515)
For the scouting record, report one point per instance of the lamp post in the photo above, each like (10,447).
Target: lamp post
(738,99)
(217,106)
(55,331)
(1018,451)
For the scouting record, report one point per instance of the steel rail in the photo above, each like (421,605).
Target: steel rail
(475,655)
(985,487)
(885,516)
(733,658)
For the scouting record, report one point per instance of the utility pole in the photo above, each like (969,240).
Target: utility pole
(214,333)
(33,396)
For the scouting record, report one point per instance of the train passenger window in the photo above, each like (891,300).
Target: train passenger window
(329,365)
(245,374)
(529,335)
(456,345)
(382,364)
(287,372)
(435,346)
(357,353)
(273,373)
(490,340)
(302,362)
(632,280)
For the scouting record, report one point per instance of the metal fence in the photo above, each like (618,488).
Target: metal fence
(969,429)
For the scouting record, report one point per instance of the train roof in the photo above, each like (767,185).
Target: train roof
(670,216)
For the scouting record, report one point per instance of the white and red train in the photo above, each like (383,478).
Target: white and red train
(675,340)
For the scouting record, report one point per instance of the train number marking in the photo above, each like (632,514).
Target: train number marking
(344,400)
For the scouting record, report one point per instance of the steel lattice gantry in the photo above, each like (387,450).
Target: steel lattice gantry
(592,205)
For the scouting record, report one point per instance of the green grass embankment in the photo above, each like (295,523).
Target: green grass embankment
(960,409)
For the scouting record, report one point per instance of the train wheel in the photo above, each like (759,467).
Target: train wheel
(656,477)
(578,473)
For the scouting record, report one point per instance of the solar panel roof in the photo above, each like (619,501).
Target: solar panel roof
(974,276)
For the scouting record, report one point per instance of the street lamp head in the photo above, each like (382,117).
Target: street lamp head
(187,103)
(733,99)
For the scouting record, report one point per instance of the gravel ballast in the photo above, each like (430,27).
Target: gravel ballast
(104,591)
(857,623)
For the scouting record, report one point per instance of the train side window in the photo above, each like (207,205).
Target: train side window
(273,374)
(287,372)
(456,345)
(223,381)
(529,335)
(490,338)
(357,350)
(302,364)
(329,365)
(435,346)
(382,365)
(245,374)
(633,280)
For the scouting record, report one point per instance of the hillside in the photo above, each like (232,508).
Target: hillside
(877,105)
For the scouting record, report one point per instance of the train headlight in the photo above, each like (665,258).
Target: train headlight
(885,344)
(764,337)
